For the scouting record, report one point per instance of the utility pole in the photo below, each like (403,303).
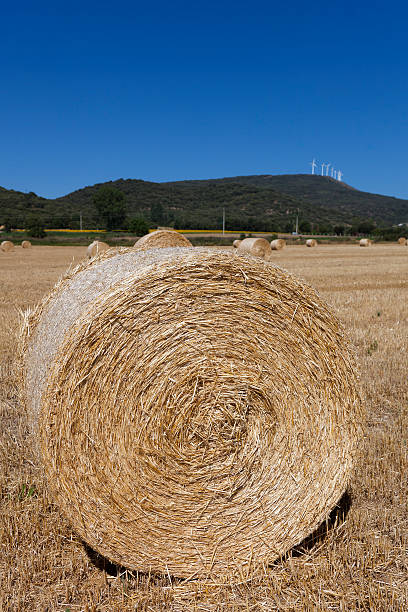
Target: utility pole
(223,221)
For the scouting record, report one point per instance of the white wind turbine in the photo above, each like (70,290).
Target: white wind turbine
(323,165)
(339,175)
(335,174)
(314,165)
(327,169)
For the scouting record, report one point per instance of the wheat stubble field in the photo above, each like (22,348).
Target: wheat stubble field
(359,563)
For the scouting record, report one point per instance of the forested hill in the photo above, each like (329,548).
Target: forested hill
(264,202)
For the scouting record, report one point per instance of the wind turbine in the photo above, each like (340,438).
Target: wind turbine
(331,171)
(339,175)
(335,174)
(327,169)
(314,165)
(323,165)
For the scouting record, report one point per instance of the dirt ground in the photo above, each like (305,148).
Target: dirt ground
(360,563)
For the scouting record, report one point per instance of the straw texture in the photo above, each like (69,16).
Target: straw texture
(365,242)
(166,448)
(278,244)
(236,243)
(402,241)
(6,246)
(162,238)
(26,244)
(311,242)
(259,247)
(96,247)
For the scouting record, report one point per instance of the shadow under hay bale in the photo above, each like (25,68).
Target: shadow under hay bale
(166,449)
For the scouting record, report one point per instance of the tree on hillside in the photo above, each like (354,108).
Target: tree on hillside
(111,206)
(34,226)
(138,226)
(157,213)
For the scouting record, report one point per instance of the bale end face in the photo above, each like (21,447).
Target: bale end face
(6,246)
(278,244)
(161,443)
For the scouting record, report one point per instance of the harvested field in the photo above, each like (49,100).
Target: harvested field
(357,564)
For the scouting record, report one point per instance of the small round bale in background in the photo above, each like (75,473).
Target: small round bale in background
(6,246)
(365,242)
(259,247)
(26,244)
(96,248)
(402,241)
(278,244)
(160,239)
(311,242)
(166,448)
(236,243)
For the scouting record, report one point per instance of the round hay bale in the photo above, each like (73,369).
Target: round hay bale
(236,243)
(278,244)
(166,448)
(96,248)
(311,242)
(259,247)
(160,239)
(6,246)
(26,244)
(402,241)
(365,242)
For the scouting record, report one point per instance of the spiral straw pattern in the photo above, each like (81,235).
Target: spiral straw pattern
(196,411)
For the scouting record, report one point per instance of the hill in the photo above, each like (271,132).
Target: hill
(260,202)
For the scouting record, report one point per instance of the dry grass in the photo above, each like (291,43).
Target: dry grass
(359,565)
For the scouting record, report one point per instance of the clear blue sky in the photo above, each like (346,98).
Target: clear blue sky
(95,91)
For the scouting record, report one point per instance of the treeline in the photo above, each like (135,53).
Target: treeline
(313,204)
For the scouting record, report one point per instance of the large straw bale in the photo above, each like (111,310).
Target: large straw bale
(166,448)
(259,247)
(365,242)
(6,246)
(236,243)
(311,242)
(402,241)
(26,244)
(96,247)
(278,244)
(160,239)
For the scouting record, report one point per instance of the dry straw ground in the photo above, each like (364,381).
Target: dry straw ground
(360,564)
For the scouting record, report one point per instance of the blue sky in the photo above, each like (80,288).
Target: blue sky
(162,91)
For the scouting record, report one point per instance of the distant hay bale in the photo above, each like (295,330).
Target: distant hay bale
(166,448)
(26,244)
(96,248)
(160,239)
(6,246)
(259,247)
(236,243)
(278,244)
(365,242)
(311,242)
(402,241)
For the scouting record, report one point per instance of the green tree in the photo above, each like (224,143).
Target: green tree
(111,206)
(138,226)
(34,226)
(157,213)
(305,227)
